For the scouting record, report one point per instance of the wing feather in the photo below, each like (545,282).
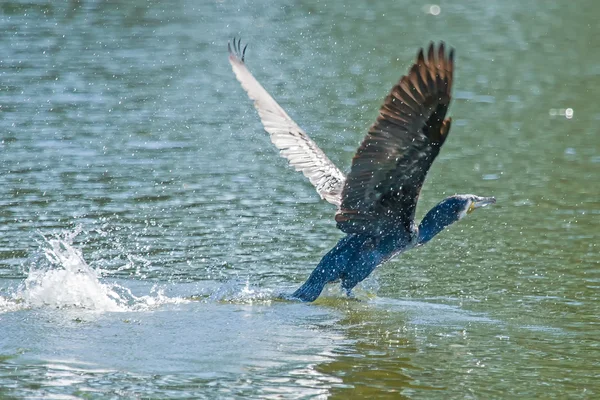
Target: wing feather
(390,166)
(294,144)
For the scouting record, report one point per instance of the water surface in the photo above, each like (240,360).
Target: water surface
(147,225)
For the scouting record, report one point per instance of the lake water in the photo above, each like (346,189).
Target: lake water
(147,224)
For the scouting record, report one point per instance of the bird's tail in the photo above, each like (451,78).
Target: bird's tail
(311,289)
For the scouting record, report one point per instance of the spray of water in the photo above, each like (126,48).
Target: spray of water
(238,292)
(68,281)
(63,279)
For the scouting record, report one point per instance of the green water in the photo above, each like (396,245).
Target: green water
(124,131)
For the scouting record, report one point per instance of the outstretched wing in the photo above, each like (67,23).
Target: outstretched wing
(389,168)
(294,144)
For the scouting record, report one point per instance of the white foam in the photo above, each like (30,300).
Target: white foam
(69,282)
(8,305)
(63,279)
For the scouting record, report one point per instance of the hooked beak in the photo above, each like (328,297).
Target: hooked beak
(484,201)
(481,202)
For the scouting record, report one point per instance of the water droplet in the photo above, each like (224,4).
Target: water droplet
(490,177)
(569,113)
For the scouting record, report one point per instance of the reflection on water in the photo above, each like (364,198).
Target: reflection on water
(124,119)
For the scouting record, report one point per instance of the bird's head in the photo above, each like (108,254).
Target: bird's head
(457,207)
(448,211)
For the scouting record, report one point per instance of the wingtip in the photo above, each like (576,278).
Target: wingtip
(230,47)
(431,52)
(421,57)
(236,52)
(442,48)
(445,53)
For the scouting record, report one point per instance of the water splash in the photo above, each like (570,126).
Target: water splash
(8,305)
(68,281)
(235,291)
(63,279)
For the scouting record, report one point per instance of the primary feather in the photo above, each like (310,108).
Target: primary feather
(294,144)
(389,168)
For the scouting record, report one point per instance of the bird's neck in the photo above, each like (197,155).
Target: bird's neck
(435,221)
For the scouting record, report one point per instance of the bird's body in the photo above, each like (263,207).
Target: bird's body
(377,200)
(352,260)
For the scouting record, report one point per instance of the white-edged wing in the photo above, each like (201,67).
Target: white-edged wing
(294,144)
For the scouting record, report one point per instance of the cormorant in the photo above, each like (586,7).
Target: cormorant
(376,201)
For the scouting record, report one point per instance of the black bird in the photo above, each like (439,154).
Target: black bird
(376,201)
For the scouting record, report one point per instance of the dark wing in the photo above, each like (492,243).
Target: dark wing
(389,168)
(294,144)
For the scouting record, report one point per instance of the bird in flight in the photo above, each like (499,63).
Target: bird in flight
(377,199)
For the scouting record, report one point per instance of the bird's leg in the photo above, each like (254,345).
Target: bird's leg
(351,295)
(347,288)
(332,267)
